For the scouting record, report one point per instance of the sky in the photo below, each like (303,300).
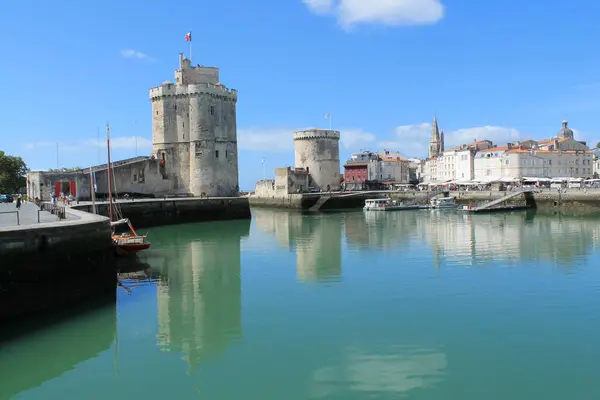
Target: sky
(498,70)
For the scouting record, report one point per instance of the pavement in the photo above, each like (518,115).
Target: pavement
(28,215)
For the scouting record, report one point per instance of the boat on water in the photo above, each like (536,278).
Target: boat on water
(126,243)
(388,205)
(443,202)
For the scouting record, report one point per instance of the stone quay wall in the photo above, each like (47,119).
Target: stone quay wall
(551,200)
(51,266)
(147,213)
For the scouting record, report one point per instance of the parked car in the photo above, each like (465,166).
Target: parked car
(6,198)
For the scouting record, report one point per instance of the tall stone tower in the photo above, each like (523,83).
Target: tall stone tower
(194,132)
(436,143)
(318,150)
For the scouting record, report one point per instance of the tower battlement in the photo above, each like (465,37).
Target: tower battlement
(310,134)
(172,90)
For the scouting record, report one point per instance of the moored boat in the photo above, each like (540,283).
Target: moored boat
(443,202)
(388,205)
(128,242)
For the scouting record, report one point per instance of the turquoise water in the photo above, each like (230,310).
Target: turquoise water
(403,305)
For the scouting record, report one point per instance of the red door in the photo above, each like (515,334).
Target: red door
(57,188)
(73,188)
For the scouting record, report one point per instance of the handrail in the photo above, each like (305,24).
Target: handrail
(12,212)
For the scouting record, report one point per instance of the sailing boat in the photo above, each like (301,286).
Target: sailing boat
(129,242)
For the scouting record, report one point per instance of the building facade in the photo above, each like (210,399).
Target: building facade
(194,132)
(388,166)
(517,163)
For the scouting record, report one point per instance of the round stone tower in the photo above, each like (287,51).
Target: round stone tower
(318,151)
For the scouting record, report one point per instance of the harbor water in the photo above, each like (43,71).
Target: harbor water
(423,305)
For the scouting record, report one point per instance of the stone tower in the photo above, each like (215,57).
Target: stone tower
(436,143)
(318,151)
(194,132)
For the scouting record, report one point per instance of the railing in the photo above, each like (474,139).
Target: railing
(12,212)
(54,209)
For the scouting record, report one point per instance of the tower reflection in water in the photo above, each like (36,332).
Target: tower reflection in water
(199,293)
(316,239)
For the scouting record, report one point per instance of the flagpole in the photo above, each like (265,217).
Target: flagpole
(264,169)
(191,48)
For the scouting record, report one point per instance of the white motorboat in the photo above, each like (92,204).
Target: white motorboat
(388,205)
(443,202)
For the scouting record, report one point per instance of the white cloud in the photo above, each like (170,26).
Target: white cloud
(270,140)
(385,12)
(122,143)
(130,53)
(53,146)
(280,139)
(352,138)
(116,143)
(413,140)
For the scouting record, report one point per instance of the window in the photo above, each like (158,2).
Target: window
(217,153)
(225,153)
(212,110)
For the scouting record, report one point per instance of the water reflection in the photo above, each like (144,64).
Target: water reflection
(466,239)
(397,370)
(316,239)
(511,237)
(199,292)
(45,354)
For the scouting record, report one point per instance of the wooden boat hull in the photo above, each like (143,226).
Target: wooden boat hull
(132,248)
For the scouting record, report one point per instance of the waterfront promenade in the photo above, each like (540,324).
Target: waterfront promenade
(28,215)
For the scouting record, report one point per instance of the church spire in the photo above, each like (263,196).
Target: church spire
(435,144)
(435,133)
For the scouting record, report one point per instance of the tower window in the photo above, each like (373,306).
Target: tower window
(225,153)
(217,153)
(212,110)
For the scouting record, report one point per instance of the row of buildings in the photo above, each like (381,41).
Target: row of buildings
(480,162)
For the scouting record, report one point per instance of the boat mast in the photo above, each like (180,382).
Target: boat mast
(92,190)
(109,175)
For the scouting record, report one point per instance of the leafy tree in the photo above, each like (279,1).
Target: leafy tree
(72,169)
(12,173)
(598,145)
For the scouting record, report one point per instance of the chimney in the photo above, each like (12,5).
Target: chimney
(509,146)
(520,147)
(556,145)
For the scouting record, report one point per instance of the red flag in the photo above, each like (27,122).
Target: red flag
(188,37)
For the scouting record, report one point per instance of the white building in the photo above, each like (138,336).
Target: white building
(388,167)
(505,163)
(454,165)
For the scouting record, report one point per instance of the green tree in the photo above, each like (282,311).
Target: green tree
(598,145)
(72,169)
(12,173)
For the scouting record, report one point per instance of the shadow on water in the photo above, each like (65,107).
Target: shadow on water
(44,354)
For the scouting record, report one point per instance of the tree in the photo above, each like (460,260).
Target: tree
(12,173)
(598,145)
(72,169)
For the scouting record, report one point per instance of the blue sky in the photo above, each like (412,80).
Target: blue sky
(500,70)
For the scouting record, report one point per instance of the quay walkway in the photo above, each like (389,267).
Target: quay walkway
(27,215)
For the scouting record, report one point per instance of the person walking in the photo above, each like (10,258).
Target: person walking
(19,202)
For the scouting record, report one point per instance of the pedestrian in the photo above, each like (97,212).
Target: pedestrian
(18,202)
